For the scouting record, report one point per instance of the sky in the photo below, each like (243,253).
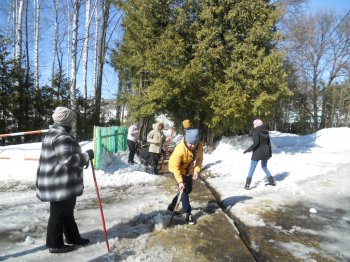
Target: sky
(310,171)
(340,6)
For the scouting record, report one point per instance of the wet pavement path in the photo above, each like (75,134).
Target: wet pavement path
(214,237)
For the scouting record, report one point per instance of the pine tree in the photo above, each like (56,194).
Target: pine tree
(212,61)
(154,58)
(236,48)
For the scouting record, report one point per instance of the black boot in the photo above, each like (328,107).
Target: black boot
(81,241)
(61,249)
(271,182)
(190,219)
(247,183)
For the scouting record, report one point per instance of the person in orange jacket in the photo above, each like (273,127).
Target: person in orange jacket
(185,163)
(186,124)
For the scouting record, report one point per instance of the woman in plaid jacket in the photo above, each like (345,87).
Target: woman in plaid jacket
(60,180)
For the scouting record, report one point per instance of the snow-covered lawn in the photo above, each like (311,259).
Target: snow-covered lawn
(312,170)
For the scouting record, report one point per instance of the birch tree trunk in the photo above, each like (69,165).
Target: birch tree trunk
(60,68)
(36,43)
(85,57)
(9,20)
(27,45)
(74,60)
(14,26)
(55,43)
(19,33)
(68,38)
(101,59)
(86,47)
(96,47)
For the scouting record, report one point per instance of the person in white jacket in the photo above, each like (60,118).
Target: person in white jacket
(133,134)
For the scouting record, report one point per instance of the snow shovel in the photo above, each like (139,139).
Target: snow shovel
(100,205)
(176,207)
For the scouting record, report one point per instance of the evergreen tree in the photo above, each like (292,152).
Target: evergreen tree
(5,119)
(154,59)
(211,61)
(235,45)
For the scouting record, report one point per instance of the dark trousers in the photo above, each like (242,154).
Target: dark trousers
(132,150)
(154,158)
(185,199)
(61,222)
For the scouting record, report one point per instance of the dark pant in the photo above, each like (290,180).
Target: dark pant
(185,199)
(61,221)
(132,150)
(154,158)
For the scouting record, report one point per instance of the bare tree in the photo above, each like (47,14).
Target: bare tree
(60,65)
(74,57)
(337,62)
(101,58)
(86,47)
(14,25)
(19,25)
(9,20)
(55,41)
(96,45)
(319,49)
(68,38)
(36,42)
(27,44)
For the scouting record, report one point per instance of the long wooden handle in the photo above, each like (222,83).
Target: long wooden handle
(176,207)
(178,201)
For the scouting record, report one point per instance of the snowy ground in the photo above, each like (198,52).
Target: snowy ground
(312,171)
(309,170)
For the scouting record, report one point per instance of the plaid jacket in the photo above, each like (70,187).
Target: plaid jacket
(60,171)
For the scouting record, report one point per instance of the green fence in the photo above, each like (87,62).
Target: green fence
(108,139)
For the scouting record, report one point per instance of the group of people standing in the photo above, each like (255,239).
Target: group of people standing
(155,140)
(185,162)
(60,171)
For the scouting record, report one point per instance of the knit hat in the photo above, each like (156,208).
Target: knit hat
(63,116)
(192,136)
(257,122)
(186,123)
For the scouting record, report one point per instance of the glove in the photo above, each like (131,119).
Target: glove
(91,154)
(245,151)
(86,165)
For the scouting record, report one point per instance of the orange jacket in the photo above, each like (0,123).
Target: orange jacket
(182,157)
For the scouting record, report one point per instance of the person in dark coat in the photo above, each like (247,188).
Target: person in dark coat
(261,148)
(60,180)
